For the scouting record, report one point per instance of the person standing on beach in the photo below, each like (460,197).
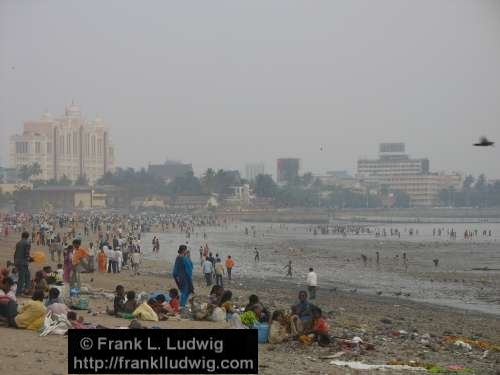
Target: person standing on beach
(79,262)
(157,246)
(289,268)
(257,256)
(183,274)
(208,270)
(219,273)
(21,261)
(312,283)
(229,266)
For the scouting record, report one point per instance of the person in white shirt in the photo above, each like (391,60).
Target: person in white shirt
(312,283)
(119,259)
(109,256)
(208,269)
(136,261)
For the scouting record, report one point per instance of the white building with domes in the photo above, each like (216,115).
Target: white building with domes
(68,146)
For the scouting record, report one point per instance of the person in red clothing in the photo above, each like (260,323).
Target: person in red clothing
(174,300)
(321,328)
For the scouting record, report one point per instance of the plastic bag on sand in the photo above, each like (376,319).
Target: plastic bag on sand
(236,323)
(55,324)
(219,315)
(363,366)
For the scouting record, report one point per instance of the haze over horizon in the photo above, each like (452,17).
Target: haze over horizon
(224,83)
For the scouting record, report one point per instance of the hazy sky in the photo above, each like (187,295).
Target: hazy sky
(221,83)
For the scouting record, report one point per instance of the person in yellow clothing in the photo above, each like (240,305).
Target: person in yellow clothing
(32,313)
(80,262)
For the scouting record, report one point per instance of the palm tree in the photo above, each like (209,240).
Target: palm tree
(208,181)
(35,169)
(24,172)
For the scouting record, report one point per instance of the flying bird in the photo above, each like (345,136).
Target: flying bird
(483,142)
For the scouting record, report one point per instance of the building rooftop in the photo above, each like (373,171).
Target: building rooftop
(62,188)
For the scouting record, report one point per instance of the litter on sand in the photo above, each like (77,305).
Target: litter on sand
(356,365)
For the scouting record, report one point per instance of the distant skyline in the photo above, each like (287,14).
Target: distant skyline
(222,84)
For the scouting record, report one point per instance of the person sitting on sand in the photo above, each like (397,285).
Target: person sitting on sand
(32,313)
(118,302)
(226,302)
(278,332)
(55,303)
(131,304)
(8,288)
(76,322)
(157,304)
(301,315)
(215,295)
(40,283)
(174,305)
(144,311)
(253,303)
(8,304)
(320,328)
(54,297)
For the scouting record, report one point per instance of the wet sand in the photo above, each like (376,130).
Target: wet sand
(338,261)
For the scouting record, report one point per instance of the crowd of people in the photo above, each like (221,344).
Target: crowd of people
(114,245)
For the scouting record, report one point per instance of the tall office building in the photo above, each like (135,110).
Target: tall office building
(65,146)
(287,170)
(397,171)
(252,170)
(392,161)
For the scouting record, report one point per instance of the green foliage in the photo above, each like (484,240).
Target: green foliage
(137,183)
(64,181)
(265,187)
(26,171)
(345,198)
(475,193)
(187,184)
(82,180)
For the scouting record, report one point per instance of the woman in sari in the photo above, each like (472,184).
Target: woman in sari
(183,274)
(102,260)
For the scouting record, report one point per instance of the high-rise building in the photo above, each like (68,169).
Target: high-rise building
(65,146)
(287,170)
(392,161)
(398,172)
(252,170)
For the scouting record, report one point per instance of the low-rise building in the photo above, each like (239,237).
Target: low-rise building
(423,190)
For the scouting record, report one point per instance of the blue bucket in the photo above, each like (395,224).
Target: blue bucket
(74,292)
(262,332)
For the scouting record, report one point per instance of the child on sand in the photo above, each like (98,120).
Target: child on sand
(174,301)
(320,328)
(118,302)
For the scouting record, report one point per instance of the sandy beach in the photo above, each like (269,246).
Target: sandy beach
(395,325)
